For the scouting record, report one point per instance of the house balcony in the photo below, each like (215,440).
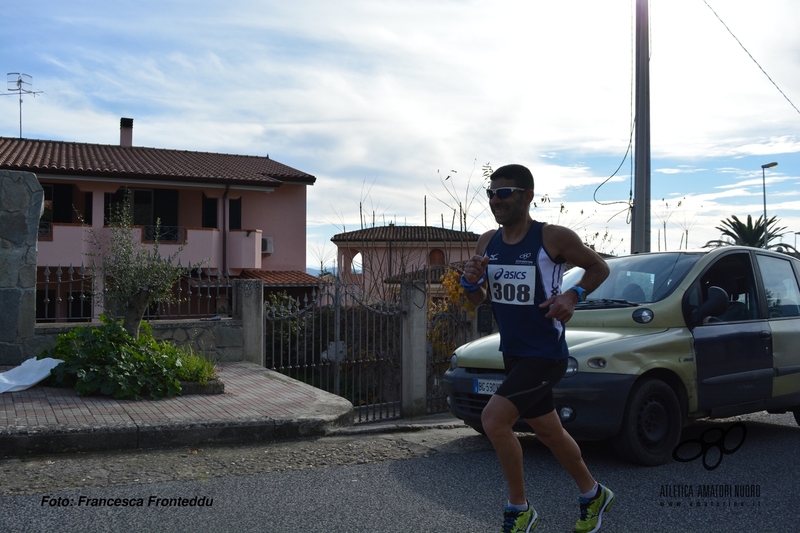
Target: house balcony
(70,244)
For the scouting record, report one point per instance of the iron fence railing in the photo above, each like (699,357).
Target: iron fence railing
(448,328)
(66,294)
(340,343)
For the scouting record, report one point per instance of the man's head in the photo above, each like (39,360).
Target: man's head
(510,194)
(519,174)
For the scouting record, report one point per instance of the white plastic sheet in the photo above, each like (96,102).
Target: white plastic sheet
(28,374)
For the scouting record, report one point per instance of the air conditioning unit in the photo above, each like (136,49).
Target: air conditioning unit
(266,245)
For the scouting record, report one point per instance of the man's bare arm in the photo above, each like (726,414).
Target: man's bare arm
(563,243)
(475,268)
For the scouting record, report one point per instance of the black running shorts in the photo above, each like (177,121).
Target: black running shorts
(529,383)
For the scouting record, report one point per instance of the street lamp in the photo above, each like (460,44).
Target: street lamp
(764,185)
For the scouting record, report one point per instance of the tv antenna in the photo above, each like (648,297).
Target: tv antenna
(21,84)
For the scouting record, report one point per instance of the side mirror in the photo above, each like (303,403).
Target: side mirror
(715,305)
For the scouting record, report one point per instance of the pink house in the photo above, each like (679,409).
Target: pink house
(377,258)
(243,215)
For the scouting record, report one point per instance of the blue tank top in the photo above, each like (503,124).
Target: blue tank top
(521,276)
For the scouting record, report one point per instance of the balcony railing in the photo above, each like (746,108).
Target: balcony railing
(45,230)
(165,233)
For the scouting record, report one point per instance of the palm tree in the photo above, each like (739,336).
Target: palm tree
(736,232)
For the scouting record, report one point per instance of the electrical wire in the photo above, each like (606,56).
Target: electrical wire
(625,157)
(751,57)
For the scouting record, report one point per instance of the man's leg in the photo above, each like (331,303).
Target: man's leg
(498,419)
(552,434)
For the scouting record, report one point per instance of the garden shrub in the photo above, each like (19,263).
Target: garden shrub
(107,360)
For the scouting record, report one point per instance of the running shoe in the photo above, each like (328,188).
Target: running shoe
(592,510)
(520,521)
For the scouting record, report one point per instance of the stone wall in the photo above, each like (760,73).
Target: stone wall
(219,340)
(21,201)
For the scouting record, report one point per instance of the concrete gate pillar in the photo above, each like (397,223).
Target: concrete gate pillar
(415,356)
(249,301)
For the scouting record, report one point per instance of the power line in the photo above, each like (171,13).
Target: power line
(751,57)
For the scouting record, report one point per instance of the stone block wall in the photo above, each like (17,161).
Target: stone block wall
(21,201)
(220,341)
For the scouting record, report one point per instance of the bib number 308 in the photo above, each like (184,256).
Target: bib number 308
(511,293)
(512,284)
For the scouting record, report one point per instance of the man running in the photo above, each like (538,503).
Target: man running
(520,267)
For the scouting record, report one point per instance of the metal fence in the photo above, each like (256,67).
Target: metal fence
(66,294)
(339,342)
(448,328)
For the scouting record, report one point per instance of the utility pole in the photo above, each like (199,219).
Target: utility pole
(640,219)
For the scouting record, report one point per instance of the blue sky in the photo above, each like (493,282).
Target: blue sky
(382,101)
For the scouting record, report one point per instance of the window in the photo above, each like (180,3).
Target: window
(87,207)
(780,286)
(57,206)
(209,212)
(734,274)
(235,214)
(143,207)
(147,206)
(436,257)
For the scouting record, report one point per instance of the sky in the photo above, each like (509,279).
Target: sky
(397,107)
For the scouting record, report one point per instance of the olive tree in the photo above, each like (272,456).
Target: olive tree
(133,276)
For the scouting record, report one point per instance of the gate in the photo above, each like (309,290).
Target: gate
(448,327)
(341,343)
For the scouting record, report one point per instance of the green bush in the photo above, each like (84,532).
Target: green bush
(193,367)
(105,359)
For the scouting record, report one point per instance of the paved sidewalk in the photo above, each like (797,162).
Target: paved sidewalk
(258,404)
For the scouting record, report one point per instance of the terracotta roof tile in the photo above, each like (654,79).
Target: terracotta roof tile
(434,273)
(135,162)
(283,278)
(406,234)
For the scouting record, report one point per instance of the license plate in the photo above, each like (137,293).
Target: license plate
(485,386)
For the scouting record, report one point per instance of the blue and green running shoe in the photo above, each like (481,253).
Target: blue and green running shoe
(520,521)
(592,510)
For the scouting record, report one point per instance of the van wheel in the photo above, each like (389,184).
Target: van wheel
(651,426)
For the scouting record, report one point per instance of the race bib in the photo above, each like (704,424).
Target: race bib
(512,284)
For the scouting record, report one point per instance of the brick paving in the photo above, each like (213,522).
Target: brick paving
(256,401)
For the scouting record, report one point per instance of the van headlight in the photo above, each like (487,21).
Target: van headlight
(572,367)
(454,362)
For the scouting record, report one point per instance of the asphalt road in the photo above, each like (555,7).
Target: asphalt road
(454,486)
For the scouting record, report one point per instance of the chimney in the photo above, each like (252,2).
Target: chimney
(126,132)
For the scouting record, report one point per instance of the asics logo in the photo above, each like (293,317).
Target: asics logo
(508,274)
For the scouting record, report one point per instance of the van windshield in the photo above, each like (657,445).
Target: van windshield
(641,278)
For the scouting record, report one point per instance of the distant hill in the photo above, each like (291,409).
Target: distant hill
(315,271)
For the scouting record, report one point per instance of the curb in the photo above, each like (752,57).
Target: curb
(54,440)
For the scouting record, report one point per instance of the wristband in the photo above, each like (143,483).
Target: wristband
(581,292)
(472,287)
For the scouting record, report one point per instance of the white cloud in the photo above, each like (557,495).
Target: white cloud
(386,93)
